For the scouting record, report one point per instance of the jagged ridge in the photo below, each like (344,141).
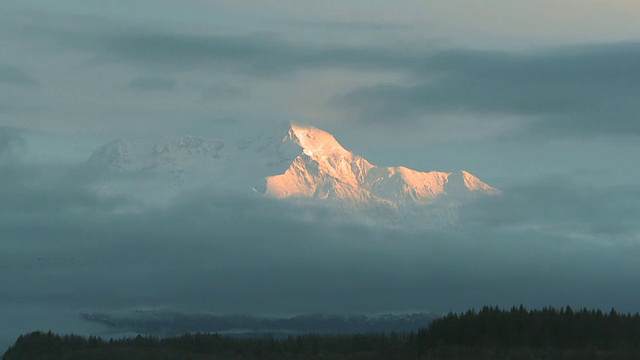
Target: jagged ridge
(326,170)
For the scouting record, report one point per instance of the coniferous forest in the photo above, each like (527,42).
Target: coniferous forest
(490,333)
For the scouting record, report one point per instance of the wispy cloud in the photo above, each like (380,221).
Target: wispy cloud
(15,76)
(152,83)
(224,91)
(257,54)
(10,140)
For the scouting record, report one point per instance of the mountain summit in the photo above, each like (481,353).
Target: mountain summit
(326,170)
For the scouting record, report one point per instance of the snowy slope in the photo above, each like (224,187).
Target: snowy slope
(326,170)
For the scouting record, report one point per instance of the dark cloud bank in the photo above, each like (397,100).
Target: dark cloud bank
(582,90)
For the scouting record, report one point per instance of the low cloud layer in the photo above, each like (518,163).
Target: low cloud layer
(559,205)
(67,249)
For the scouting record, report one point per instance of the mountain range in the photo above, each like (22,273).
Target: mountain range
(303,163)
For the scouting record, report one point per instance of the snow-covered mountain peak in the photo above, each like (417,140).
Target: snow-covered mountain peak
(315,142)
(472,183)
(326,170)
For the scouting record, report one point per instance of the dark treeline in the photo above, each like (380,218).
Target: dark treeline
(40,345)
(549,327)
(490,333)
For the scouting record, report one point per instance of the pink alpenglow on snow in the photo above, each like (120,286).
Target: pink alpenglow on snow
(326,170)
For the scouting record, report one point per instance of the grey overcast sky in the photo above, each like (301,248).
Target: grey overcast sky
(538,98)
(486,78)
